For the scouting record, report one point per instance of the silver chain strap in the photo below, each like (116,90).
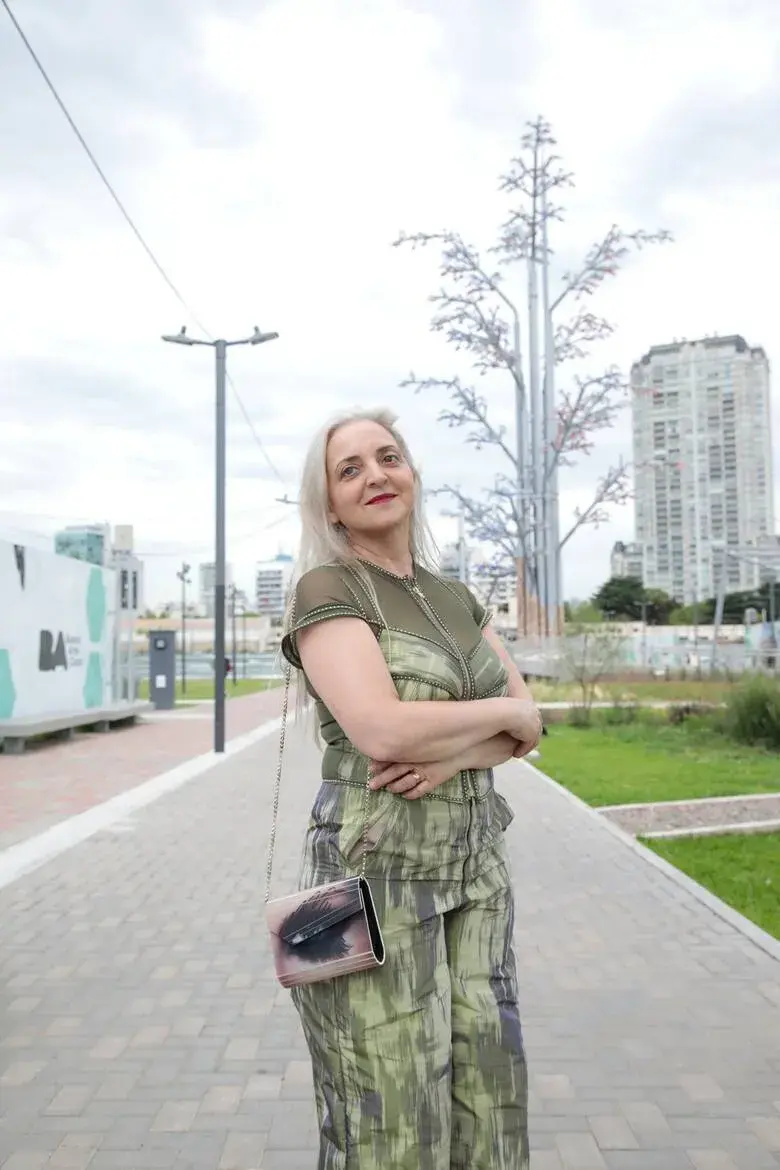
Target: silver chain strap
(277,783)
(278,786)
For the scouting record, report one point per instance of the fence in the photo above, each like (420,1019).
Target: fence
(647,652)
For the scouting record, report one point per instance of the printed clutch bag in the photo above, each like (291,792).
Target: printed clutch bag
(325,931)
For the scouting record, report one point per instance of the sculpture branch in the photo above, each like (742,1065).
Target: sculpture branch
(476,315)
(613,490)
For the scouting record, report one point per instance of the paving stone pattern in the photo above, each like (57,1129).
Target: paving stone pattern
(141,1025)
(740,810)
(52,781)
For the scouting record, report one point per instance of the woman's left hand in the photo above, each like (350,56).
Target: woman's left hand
(412,780)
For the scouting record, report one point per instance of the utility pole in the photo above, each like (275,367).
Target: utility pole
(461,546)
(243,638)
(521,439)
(183,575)
(463,568)
(233,624)
(220,347)
(552,537)
(537,483)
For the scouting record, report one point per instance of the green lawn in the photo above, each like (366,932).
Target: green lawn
(654,760)
(742,870)
(203,688)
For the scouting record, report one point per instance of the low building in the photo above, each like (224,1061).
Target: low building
(85,542)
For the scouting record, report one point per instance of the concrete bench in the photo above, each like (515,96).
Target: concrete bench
(14,733)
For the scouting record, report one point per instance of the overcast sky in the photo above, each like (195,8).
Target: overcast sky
(269,154)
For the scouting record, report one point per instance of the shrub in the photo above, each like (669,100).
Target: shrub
(752,712)
(578,716)
(621,713)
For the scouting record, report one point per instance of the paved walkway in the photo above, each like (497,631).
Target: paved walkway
(51,780)
(141,1025)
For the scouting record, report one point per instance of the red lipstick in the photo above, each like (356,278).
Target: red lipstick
(381,498)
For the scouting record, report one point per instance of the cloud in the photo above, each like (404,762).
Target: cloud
(269,154)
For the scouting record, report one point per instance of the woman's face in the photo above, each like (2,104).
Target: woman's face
(370,485)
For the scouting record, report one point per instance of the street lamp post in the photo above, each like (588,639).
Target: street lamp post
(243,639)
(220,347)
(233,632)
(183,576)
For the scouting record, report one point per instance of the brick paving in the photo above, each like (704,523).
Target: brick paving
(54,780)
(141,1025)
(695,814)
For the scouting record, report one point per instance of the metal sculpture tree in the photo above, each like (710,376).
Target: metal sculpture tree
(518,517)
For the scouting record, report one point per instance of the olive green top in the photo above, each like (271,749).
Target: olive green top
(429,630)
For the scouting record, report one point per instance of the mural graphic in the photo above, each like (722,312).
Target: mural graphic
(57,622)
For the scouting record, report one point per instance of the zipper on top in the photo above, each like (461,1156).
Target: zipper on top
(410,583)
(468,678)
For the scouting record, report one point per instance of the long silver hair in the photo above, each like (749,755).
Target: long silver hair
(324,543)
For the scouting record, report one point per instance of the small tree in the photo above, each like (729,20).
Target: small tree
(658,607)
(591,652)
(477,314)
(621,598)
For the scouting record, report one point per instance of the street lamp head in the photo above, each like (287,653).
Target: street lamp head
(258,338)
(179,338)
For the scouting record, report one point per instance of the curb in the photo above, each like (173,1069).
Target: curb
(760,938)
(17,861)
(742,797)
(735,828)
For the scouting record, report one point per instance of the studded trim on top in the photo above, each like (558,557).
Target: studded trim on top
(451,641)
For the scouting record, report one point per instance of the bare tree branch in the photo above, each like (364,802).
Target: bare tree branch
(469,409)
(605,259)
(592,405)
(613,489)
(474,312)
(495,519)
(574,338)
(464,313)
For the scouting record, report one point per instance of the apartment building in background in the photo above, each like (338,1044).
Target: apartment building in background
(454,562)
(626,560)
(273,579)
(703,457)
(207,581)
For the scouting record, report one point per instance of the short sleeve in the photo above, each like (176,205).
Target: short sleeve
(482,614)
(321,594)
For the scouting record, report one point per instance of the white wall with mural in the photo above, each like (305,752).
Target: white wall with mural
(57,623)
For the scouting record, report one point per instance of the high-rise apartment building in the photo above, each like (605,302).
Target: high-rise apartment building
(272,584)
(703,459)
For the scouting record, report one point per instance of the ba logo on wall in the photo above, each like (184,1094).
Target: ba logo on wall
(57,633)
(58,653)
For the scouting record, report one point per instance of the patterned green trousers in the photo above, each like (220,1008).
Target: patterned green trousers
(419,1064)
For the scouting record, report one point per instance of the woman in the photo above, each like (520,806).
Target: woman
(419,1064)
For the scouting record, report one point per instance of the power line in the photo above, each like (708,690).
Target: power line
(104,179)
(131,224)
